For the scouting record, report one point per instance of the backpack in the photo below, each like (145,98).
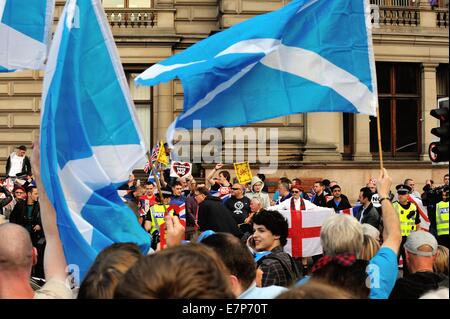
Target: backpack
(292,271)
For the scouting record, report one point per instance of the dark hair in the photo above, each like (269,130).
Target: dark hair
(191,271)
(226,174)
(176,183)
(446,175)
(335,186)
(352,278)
(202,190)
(285,180)
(366,192)
(297,180)
(285,185)
(30,188)
(235,256)
(261,176)
(22,148)
(326,182)
(273,221)
(108,268)
(316,289)
(319,182)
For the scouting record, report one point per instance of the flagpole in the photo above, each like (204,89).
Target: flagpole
(380,149)
(158,185)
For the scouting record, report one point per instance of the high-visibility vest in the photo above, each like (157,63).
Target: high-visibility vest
(407,225)
(157,214)
(442,218)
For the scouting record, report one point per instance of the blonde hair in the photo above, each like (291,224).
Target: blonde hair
(370,247)
(341,233)
(441,262)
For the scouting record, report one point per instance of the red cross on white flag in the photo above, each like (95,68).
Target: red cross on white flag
(304,231)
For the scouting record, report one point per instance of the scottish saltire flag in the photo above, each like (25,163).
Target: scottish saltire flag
(90,141)
(309,56)
(25,27)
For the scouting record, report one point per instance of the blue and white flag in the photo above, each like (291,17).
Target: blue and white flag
(25,27)
(309,56)
(90,140)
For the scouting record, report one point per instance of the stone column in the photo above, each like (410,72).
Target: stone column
(429,102)
(362,138)
(163,109)
(323,136)
(428,17)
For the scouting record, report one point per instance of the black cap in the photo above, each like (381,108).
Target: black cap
(403,189)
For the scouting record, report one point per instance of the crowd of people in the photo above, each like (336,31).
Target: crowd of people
(223,239)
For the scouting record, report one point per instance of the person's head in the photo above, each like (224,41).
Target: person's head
(166,196)
(440,265)
(370,248)
(285,180)
(403,192)
(20,192)
(332,183)
(296,181)
(191,271)
(261,177)
(446,179)
(270,230)
(336,191)
(341,234)
(149,189)
(21,150)
(371,231)
(177,188)
(372,184)
(139,191)
(410,182)
(296,190)
(348,275)
(200,194)
(318,187)
(131,178)
(445,194)
(365,196)
(326,183)
(421,249)
(237,190)
(283,188)
(32,194)
(192,185)
(236,257)
(224,177)
(183,181)
(108,268)
(17,254)
(167,149)
(255,205)
(316,289)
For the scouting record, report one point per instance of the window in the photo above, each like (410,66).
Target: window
(127,3)
(399,102)
(348,120)
(142,98)
(442,81)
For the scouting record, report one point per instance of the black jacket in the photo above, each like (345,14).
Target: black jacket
(213,215)
(344,204)
(370,216)
(320,200)
(26,166)
(19,216)
(5,201)
(415,285)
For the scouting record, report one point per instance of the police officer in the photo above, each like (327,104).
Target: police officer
(155,217)
(409,218)
(442,219)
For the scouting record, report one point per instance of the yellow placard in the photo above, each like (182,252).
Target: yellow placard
(243,172)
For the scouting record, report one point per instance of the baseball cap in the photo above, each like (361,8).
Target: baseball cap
(420,238)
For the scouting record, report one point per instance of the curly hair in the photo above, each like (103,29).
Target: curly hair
(274,222)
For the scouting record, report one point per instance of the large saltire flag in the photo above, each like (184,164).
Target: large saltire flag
(90,140)
(309,56)
(25,27)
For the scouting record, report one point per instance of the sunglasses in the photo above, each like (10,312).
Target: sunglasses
(235,189)
(296,192)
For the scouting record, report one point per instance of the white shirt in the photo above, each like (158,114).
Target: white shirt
(16,164)
(286,205)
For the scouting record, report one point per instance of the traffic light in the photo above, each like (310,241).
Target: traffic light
(438,151)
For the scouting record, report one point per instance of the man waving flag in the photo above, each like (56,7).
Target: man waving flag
(25,27)
(309,56)
(90,140)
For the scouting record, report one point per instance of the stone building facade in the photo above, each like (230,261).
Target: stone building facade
(411,51)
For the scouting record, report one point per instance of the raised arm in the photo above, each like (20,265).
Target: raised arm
(54,259)
(209,178)
(391,233)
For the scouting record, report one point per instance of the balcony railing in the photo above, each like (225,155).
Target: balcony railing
(395,3)
(395,16)
(442,18)
(131,18)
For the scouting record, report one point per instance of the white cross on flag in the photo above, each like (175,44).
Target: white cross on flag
(304,231)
